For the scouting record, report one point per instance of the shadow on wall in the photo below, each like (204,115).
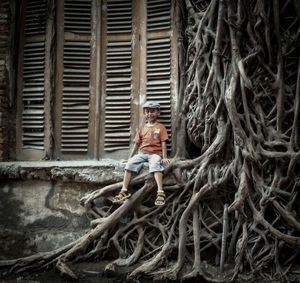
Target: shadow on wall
(38,216)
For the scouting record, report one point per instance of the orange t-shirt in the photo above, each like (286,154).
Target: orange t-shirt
(151,137)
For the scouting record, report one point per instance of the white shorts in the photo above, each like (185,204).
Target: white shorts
(135,163)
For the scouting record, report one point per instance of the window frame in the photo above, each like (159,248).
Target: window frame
(54,77)
(21,152)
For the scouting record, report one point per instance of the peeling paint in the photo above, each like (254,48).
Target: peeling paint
(45,216)
(33,202)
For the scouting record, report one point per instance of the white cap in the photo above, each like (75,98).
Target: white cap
(151,104)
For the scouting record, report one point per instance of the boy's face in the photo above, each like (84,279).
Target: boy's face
(151,114)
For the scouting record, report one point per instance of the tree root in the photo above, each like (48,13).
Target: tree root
(239,122)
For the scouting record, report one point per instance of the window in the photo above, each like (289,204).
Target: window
(86,68)
(75,79)
(32,92)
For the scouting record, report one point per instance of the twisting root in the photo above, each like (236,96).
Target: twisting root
(239,122)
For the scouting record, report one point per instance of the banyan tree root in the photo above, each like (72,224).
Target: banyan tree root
(239,120)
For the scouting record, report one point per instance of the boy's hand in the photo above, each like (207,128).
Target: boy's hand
(165,161)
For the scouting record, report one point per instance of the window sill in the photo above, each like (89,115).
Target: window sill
(100,172)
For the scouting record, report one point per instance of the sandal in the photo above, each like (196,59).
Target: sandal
(121,196)
(160,199)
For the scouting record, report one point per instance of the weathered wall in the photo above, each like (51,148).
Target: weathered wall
(4,38)
(39,203)
(39,216)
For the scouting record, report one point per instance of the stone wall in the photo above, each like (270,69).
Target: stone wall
(40,203)
(4,43)
(40,216)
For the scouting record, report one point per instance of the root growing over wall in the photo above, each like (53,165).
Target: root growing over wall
(239,122)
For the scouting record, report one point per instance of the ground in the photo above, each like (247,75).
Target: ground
(88,272)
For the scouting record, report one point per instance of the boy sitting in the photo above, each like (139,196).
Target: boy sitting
(151,141)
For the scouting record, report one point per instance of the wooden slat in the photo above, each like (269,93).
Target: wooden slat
(158,77)
(119,16)
(33,92)
(35,17)
(33,96)
(77,16)
(76,94)
(158,15)
(118,95)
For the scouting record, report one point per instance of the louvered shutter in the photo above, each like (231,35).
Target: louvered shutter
(119,16)
(35,17)
(159,58)
(76,77)
(138,66)
(33,96)
(158,15)
(79,98)
(77,16)
(118,75)
(158,77)
(33,85)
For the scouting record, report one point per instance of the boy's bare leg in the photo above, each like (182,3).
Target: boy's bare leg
(158,176)
(160,199)
(126,179)
(124,194)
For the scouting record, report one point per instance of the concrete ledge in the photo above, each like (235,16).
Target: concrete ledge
(100,172)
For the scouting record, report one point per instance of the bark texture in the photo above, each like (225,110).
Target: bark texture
(238,144)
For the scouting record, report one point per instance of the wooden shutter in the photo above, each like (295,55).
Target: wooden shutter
(76,77)
(118,75)
(75,110)
(138,62)
(118,91)
(33,96)
(77,16)
(35,17)
(158,77)
(33,77)
(158,15)
(159,58)
(119,16)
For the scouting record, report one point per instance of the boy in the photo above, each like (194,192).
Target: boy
(151,141)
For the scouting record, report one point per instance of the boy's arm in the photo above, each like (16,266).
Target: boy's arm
(165,160)
(135,149)
(136,145)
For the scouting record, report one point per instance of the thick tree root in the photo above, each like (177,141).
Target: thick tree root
(240,104)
